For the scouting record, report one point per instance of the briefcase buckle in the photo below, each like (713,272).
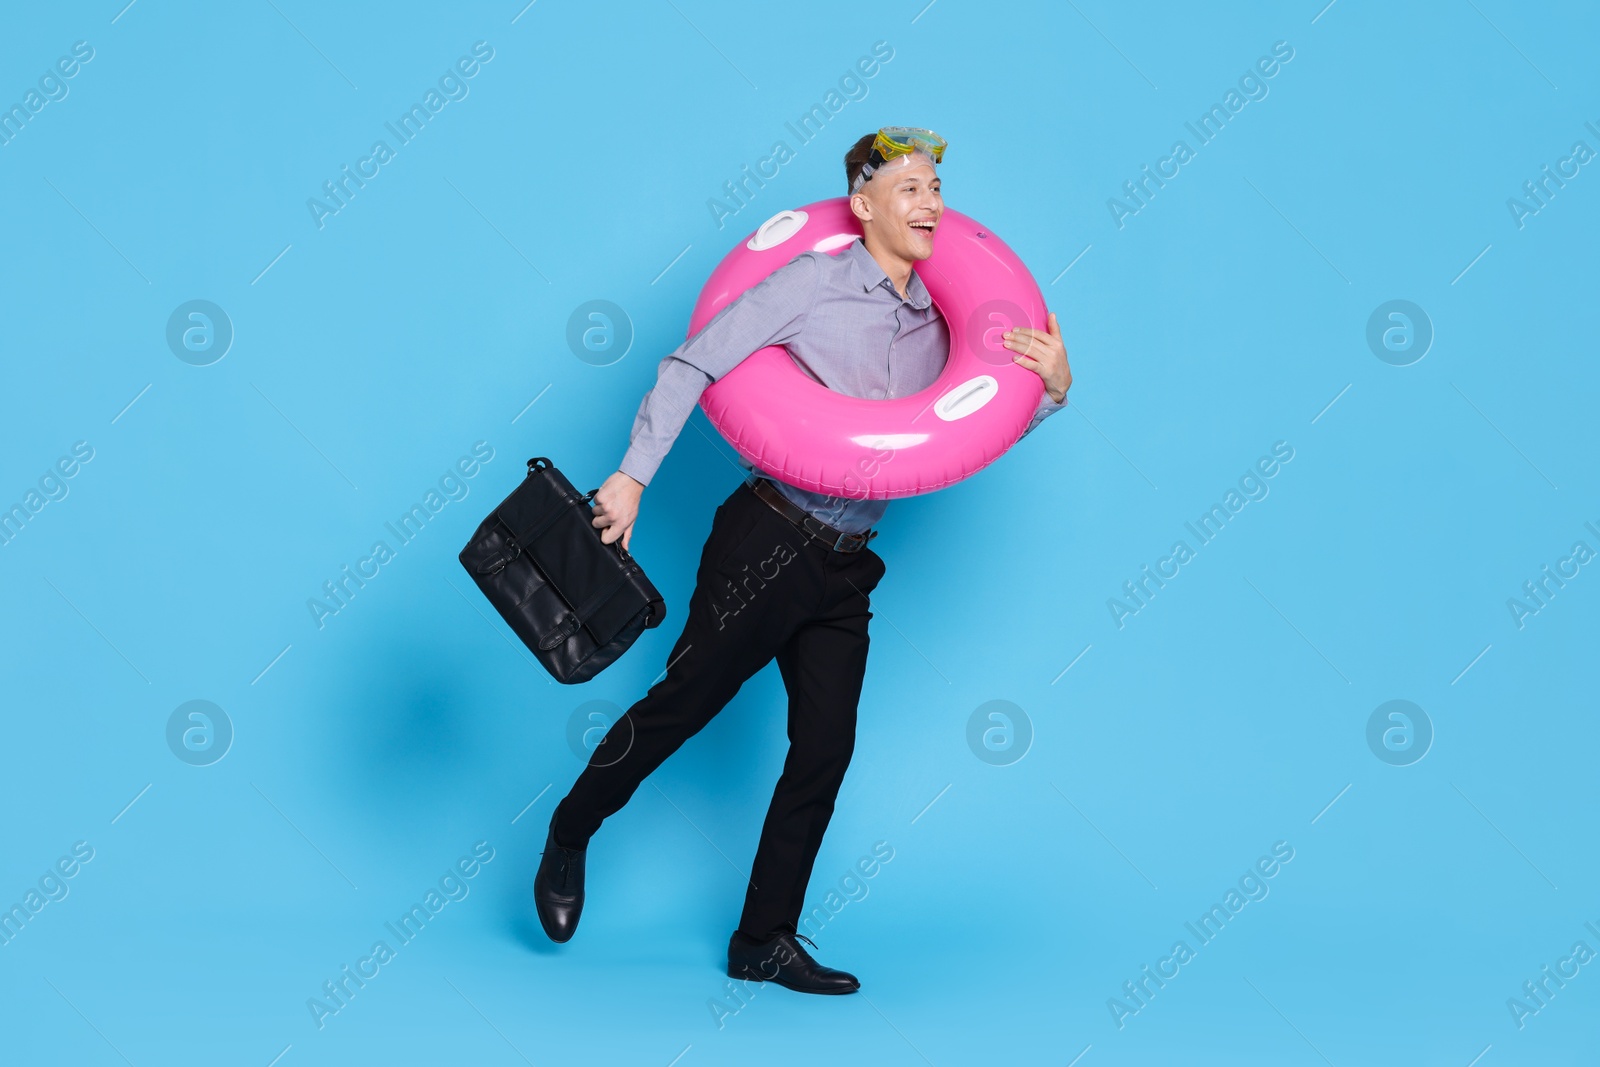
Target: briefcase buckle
(501,564)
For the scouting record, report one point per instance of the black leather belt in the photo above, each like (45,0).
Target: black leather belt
(808,524)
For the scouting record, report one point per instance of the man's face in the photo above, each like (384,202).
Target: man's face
(902,207)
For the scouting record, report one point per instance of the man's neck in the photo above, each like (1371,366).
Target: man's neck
(898,270)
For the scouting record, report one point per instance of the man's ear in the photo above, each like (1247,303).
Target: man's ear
(861,207)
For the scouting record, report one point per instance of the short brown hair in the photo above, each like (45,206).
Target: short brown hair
(858,156)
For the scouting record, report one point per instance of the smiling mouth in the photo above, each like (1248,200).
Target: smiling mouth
(925,227)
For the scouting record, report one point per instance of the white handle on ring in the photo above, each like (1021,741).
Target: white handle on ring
(776,230)
(962,400)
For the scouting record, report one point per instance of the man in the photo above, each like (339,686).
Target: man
(785,573)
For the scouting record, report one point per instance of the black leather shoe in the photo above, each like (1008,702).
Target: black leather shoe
(783,961)
(558,887)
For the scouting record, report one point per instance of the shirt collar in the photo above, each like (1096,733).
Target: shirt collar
(871,276)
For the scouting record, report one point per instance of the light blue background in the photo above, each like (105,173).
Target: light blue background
(1228,714)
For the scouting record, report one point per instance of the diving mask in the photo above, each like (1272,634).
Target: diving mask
(895,147)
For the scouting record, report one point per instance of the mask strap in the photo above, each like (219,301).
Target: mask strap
(868,170)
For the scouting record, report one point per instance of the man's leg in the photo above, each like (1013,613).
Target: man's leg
(823,666)
(753,587)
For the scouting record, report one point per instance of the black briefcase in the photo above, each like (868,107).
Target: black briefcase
(575,601)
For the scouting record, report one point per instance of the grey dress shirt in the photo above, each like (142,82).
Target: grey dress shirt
(844,324)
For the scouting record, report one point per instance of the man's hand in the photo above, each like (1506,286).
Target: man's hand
(1044,354)
(616,506)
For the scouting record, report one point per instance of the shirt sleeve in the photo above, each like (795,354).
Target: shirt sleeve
(770,313)
(1046,408)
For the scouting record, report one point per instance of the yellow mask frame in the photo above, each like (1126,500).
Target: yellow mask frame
(895,142)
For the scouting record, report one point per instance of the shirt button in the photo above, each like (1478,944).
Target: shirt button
(877,394)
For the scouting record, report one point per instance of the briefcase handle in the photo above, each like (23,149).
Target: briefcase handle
(540,463)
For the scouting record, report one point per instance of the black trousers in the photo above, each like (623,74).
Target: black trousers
(764,589)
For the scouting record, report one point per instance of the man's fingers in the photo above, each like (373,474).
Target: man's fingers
(1038,349)
(1028,336)
(609,523)
(1018,341)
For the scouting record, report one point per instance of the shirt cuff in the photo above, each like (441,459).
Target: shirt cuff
(1046,408)
(639,466)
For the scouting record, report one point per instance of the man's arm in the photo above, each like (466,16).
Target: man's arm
(769,313)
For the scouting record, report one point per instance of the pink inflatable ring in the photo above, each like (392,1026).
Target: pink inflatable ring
(784,422)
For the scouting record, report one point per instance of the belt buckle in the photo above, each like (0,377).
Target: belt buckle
(844,542)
